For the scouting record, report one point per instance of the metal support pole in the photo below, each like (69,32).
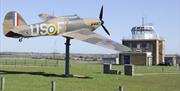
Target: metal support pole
(67,57)
(53,86)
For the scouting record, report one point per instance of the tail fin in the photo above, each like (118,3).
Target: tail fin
(12,19)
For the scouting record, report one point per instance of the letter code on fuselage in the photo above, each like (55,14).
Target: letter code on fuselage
(45,29)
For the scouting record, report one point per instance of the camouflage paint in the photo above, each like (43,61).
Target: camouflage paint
(68,26)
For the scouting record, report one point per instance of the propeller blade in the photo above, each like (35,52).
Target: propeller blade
(102,22)
(105,30)
(101,13)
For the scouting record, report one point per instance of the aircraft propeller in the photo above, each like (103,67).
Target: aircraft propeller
(102,22)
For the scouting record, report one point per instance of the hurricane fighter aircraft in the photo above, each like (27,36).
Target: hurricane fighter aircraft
(71,26)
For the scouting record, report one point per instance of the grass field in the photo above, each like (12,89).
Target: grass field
(37,76)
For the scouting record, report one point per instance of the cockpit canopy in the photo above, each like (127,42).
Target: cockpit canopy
(72,17)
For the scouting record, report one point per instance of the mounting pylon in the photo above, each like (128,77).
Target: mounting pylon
(67,72)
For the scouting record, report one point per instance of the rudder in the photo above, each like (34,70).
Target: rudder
(12,19)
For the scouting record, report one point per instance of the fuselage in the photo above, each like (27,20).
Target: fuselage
(56,26)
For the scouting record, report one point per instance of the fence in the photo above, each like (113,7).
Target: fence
(29,62)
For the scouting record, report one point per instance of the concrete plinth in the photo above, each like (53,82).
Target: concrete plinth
(129,69)
(113,72)
(107,68)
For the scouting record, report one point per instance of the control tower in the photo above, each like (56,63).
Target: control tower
(145,39)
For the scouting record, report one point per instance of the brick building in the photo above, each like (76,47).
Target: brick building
(143,40)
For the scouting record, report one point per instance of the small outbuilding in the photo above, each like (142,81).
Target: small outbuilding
(172,59)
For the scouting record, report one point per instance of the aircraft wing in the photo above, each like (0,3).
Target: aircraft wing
(46,16)
(93,38)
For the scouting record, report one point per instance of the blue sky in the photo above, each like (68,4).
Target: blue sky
(119,16)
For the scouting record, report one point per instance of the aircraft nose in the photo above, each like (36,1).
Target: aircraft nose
(92,22)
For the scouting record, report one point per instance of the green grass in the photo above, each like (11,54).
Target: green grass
(98,82)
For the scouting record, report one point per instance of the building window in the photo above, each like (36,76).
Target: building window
(138,46)
(133,45)
(144,45)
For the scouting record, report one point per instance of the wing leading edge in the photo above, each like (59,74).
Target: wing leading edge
(93,38)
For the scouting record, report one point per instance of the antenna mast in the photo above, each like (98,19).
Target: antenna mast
(143,21)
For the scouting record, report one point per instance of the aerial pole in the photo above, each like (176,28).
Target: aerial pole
(143,21)
(67,73)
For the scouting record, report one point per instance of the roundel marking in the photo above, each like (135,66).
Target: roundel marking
(52,29)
